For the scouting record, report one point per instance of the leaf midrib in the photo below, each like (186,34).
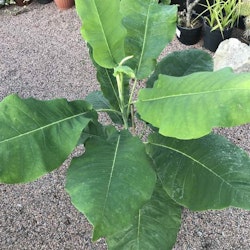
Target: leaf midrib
(191,94)
(111,175)
(112,86)
(42,127)
(138,230)
(144,40)
(103,32)
(193,159)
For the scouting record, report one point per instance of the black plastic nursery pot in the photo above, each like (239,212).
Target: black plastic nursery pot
(189,36)
(212,39)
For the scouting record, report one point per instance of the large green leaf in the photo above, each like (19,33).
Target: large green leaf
(150,27)
(111,181)
(155,225)
(103,30)
(37,136)
(192,105)
(181,63)
(204,173)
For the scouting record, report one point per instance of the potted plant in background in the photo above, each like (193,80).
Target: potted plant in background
(64,4)
(198,8)
(23,2)
(201,8)
(218,25)
(189,25)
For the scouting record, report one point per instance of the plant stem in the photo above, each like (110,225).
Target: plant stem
(132,118)
(189,7)
(119,79)
(108,110)
(131,96)
(130,107)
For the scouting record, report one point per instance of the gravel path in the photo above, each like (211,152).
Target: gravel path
(43,55)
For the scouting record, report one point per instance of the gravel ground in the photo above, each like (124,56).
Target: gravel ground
(43,55)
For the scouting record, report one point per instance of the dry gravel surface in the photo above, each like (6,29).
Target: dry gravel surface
(42,55)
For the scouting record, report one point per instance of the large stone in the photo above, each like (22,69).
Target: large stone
(232,53)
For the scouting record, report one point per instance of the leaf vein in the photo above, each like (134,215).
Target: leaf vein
(41,128)
(193,159)
(192,94)
(111,173)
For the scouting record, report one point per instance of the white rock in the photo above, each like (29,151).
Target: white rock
(232,53)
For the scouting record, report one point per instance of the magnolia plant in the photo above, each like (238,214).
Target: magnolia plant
(132,187)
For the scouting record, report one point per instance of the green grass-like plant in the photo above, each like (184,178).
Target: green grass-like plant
(222,14)
(132,190)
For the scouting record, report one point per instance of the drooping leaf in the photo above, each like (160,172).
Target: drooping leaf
(96,129)
(103,30)
(155,226)
(109,85)
(192,105)
(99,102)
(205,173)
(150,27)
(182,63)
(111,181)
(37,136)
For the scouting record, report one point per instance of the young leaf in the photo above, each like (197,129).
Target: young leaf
(150,27)
(205,173)
(182,63)
(192,105)
(111,181)
(155,226)
(109,85)
(37,136)
(96,129)
(124,70)
(103,30)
